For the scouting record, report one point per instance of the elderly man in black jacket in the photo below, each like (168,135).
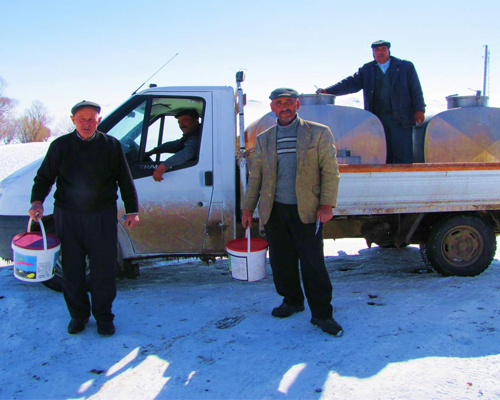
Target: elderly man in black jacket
(391,91)
(88,168)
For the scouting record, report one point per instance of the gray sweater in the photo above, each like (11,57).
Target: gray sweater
(286,147)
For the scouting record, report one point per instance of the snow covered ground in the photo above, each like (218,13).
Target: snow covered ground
(186,330)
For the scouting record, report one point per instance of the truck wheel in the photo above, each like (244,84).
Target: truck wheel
(460,245)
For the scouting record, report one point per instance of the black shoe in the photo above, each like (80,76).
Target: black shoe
(328,325)
(105,328)
(76,325)
(285,310)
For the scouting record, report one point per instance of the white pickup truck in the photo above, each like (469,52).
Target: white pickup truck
(450,209)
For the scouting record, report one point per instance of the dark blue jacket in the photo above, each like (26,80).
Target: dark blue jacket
(406,94)
(185,149)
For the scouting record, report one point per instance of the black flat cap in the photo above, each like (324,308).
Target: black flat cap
(283,92)
(83,104)
(188,111)
(379,43)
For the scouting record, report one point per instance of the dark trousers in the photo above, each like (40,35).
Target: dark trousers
(94,236)
(399,141)
(290,240)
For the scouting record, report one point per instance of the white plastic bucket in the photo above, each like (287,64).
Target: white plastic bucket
(247,259)
(35,255)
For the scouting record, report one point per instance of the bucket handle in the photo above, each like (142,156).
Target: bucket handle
(44,236)
(247,235)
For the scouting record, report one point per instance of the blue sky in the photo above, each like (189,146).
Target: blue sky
(61,52)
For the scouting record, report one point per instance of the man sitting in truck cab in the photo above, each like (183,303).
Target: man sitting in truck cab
(185,148)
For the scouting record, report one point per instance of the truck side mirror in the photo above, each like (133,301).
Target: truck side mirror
(240,76)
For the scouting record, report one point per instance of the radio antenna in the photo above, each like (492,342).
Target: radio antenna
(176,54)
(486,70)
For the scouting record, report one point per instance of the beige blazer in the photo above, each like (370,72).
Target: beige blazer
(317,178)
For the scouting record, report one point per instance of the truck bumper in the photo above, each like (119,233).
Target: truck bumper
(10,226)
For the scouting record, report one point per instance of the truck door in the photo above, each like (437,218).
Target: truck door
(174,212)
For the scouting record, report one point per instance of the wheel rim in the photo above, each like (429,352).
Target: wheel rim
(462,246)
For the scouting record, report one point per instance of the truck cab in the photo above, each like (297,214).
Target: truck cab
(190,212)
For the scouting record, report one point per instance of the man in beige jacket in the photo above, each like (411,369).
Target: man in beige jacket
(295,174)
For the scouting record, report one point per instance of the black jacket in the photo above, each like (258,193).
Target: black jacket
(88,174)
(406,93)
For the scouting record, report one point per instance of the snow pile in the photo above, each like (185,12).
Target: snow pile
(15,156)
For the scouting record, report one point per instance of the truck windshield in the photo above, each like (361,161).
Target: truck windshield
(128,129)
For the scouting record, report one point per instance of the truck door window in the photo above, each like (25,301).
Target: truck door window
(162,127)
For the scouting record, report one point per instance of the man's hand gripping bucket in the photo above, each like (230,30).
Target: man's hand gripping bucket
(247,258)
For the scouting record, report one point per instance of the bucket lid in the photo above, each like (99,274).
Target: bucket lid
(34,241)
(241,245)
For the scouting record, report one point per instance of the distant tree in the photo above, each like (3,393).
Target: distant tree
(32,125)
(64,126)
(7,122)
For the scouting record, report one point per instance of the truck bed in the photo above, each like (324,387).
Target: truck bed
(416,188)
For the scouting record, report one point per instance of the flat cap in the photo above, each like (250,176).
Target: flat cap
(83,104)
(188,111)
(379,43)
(283,92)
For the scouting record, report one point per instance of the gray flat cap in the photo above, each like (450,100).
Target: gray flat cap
(283,92)
(83,104)
(379,43)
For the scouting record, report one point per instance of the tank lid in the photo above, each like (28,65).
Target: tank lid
(456,101)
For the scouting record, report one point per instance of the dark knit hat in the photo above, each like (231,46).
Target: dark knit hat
(283,92)
(83,104)
(379,43)
(188,111)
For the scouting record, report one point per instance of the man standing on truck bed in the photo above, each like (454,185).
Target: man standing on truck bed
(295,173)
(185,148)
(391,91)
(88,166)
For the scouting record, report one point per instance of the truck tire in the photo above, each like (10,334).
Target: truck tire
(461,245)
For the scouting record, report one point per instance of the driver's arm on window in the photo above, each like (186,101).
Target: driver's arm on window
(168,147)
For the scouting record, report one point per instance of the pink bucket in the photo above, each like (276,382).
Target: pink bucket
(35,255)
